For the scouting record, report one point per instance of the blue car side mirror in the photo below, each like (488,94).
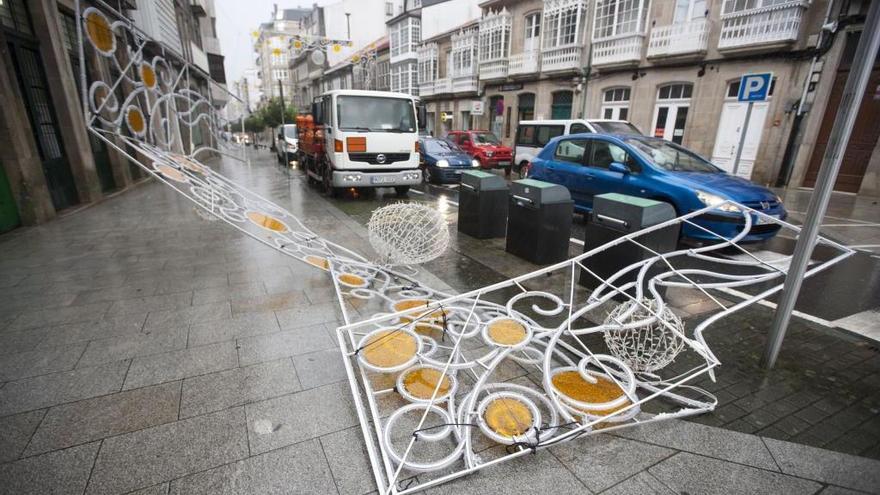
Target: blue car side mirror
(619,167)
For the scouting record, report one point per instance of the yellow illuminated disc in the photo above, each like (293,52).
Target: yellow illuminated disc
(355,59)
(148,75)
(351,279)
(572,385)
(389,349)
(508,417)
(337,48)
(171,173)
(276,51)
(507,332)
(297,44)
(135,120)
(255,34)
(99,32)
(188,164)
(421,382)
(416,303)
(267,222)
(318,261)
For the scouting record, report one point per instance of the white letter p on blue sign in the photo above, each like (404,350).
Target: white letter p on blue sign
(754,87)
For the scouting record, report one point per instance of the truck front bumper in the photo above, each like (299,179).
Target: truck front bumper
(357,178)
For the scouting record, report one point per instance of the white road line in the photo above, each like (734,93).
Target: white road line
(417,191)
(576,241)
(772,305)
(850,225)
(835,218)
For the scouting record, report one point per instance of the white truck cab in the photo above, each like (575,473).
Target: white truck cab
(370,139)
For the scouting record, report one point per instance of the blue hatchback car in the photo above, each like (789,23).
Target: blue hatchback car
(443,161)
(591,164)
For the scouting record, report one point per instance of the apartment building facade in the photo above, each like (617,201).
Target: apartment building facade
(672,68)
(272,46)
(49,162)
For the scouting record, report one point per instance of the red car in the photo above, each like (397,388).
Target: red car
(485,147)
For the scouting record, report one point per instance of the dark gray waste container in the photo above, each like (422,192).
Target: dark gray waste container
(539,221)
(615,215)
(482,205)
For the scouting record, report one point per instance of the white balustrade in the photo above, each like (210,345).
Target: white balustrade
(773,24)
(465,84)
(426,88)
(678,39)
(621,49)
(561,58)
(528,62)
(493,69)
(442,86)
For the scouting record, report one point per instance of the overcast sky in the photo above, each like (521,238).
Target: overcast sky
(236,19)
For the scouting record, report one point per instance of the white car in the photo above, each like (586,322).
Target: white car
(286,143)
(532,135)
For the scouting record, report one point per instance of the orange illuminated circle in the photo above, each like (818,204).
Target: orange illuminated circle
(267,222)
(318,261)
(148,75)
(508,417)
(171,173)
(407,304)
(420,383)
(506,332)
(389,350)
(351,280)
(297,44)
(572,385)
(135,120)
(188,164)
(99,32)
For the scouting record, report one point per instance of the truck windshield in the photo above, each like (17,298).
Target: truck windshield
(375,114)
(671,156)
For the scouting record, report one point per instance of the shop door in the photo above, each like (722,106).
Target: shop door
(496,112)
(670,113)
(733,118)
(560,109)
(32,80)
(865,131)
(8,210)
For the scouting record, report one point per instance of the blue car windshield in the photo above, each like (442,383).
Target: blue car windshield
(441,146)
(670,156)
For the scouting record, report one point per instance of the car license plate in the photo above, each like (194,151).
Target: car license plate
(503,164)
(382,180)
(762,220)
(458,172)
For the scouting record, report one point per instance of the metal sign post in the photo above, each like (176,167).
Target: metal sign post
(856,83)
(752,88)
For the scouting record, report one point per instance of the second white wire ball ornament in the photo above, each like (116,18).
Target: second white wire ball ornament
(408,233)
(645,347)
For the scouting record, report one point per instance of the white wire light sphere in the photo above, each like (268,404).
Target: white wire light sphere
(408,233)
(645,348)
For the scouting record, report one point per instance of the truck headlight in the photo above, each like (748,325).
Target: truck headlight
(475,163)
(442,163)
(716,201)
(352,178)
(413,175)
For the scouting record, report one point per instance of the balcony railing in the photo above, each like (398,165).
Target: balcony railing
(623,49)
(679,39)
(426,88)
(524,63)
(764,25)
(442,86)
(561,58)
(465,84)
(493,69)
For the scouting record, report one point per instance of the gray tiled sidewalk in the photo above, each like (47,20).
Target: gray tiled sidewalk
(145,350)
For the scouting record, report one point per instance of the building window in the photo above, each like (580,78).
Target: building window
(533,32)
(389,9)
(428,70)
(463,48)
(561,106)
(615,103)
(383,76)
(280,74)
(671,111)
(405,35)
(526,106)
(404,78)
(619,17)
(14,15)
(216,68)
(562,23)
(495,36)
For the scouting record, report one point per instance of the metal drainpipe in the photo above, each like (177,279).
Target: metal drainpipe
(789,155)
(585,73)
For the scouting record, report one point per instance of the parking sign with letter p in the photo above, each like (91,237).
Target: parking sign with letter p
(754,87)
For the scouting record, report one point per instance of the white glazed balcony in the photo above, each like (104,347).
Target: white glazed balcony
(465,84)
(624,49)
(679,39)
(493,69)
(524,63)
(561,58)
(765,25)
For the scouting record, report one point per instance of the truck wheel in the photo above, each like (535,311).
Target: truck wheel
(329,190)
(401,190)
